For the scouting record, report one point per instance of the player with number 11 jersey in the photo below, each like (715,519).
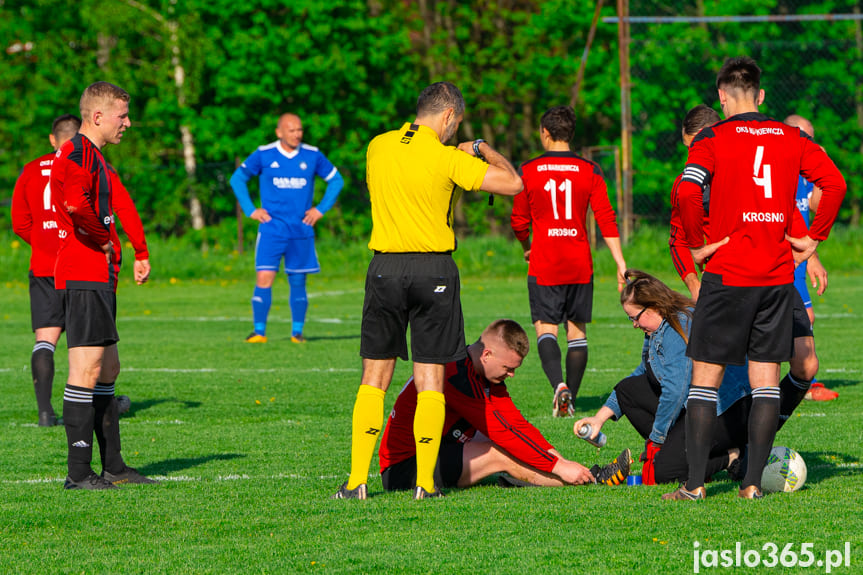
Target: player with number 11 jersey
(558,187)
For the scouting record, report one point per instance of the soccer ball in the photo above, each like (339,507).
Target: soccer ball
(785,471)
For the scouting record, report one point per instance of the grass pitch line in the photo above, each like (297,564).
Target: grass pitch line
(189,478)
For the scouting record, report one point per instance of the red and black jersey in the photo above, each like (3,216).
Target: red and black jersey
(34,217)
(558,188)
(472,404)
(81,187)
(124,209)
(681,257)
(752,163)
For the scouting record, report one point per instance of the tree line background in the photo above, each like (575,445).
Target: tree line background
(209,79)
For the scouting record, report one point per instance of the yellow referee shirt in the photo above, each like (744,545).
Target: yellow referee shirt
(412,181)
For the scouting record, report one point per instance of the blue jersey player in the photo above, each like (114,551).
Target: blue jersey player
(286,171)
(807,197)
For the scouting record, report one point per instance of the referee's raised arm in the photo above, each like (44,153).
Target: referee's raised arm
(501,177)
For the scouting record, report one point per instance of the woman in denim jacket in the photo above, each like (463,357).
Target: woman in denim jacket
(654,394)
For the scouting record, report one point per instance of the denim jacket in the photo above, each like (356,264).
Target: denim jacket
(665,351)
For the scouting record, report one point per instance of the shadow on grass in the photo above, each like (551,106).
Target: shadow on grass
(179,464)
(143,405)
(835,383)
(314,338)
(590,403)
(821,465)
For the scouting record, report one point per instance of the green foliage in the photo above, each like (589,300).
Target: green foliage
(353,68)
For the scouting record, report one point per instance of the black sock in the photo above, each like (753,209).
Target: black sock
(42,367)
(763,419)
(791,393)
(107,427)
(700,421)
(576,363)
(549,355)
(78,419)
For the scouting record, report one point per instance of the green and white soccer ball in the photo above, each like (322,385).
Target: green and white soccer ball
(785,471)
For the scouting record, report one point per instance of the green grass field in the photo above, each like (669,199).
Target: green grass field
(250,442)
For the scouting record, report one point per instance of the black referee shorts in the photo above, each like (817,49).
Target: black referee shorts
(559,304)
(47,305)
(733,322)
(420,290)
(91,318)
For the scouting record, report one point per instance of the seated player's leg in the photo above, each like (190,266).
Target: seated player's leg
(481,458)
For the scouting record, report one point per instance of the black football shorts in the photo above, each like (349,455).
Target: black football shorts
(733,322)
(47,305)
(91,318)
(559,304)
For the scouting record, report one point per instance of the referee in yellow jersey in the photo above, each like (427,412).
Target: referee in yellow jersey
(414,181)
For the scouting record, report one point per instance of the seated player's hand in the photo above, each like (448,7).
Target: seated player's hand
(261,215)
(572,472)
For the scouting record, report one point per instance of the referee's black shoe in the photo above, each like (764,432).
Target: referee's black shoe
(91,482)
(421,493)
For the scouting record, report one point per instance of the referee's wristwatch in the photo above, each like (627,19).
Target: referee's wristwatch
(476,151)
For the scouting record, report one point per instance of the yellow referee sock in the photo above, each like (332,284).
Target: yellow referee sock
(428,426)
(367,423)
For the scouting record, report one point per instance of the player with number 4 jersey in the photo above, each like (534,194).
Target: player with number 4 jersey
(745,302)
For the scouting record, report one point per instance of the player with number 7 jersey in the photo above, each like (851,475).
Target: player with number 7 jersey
(34,217)
(754,208)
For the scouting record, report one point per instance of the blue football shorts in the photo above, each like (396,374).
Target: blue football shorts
(299,253)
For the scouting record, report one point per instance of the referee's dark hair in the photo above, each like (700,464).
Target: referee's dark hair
(559,122)
(439,96)
(699,118)
(65,126)
(741,73)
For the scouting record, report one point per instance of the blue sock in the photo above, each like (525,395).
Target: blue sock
(261,301)
(299,302)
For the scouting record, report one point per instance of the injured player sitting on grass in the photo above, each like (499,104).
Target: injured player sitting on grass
(484,432)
